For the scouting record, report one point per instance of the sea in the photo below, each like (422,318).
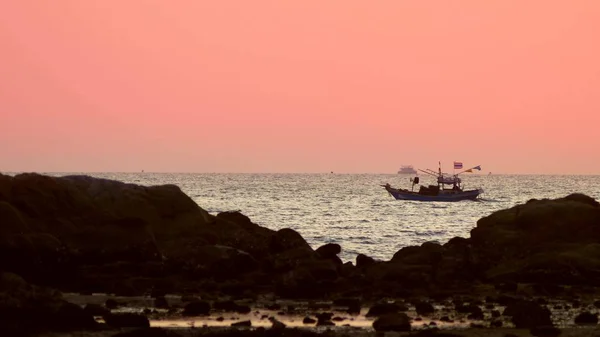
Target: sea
(353,210)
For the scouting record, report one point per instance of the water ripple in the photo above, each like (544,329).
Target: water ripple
(353,210)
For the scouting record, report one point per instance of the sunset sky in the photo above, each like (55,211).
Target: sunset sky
(299,86)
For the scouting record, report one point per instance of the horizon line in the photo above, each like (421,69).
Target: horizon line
(288,173)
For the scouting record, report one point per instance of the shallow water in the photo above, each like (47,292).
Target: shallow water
(353,210)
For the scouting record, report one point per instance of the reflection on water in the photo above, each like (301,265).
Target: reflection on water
(353,210)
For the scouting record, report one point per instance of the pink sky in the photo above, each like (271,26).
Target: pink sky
(299,86)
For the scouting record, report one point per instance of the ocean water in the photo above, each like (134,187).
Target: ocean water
(353,210)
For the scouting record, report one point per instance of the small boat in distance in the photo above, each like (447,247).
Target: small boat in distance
(407,169)
(448,188)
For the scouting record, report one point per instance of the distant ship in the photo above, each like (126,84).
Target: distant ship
(407,169)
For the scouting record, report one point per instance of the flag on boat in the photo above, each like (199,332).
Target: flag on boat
(457,165)
(477,168)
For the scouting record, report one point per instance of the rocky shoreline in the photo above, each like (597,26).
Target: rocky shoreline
(533,266)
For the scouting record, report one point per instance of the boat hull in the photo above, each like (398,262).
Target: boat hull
(447,197)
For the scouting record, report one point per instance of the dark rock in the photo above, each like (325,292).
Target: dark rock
(329,250)
(325,323)
(495,313)
(198,308)
(586,318)
(26,308)
(496,324)
(161,303)
(475,313)
(424,308)
(308,320)
(363,261)
(95,310)
(277,325)
(381,309)
(346,302)
(231,306)
(392,322)
(324,316)
(273,307)
(127,320)
(527,315)
(286,239)
(111,304)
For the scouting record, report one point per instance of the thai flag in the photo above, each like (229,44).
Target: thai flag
(457,165)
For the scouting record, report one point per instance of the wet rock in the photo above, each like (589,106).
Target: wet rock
(586,318)
(392,322)
(127,320)
(198,308)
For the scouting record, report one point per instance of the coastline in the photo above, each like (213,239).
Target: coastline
(86,235)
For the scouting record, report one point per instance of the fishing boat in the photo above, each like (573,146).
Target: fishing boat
(448,188)
(407,169)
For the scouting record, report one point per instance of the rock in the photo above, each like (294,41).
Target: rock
(586,318)
(277,325)
(308,320)
(161,303)
(496,324)
(543,242)
(96,310)
(127,320)
(363,261)
(381,309)
(29,309)
(392,322)
(198,308)
(329,250)
(286,239)
(527,315)
(231,306)
(424,308)
(111,304)
(427,253)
